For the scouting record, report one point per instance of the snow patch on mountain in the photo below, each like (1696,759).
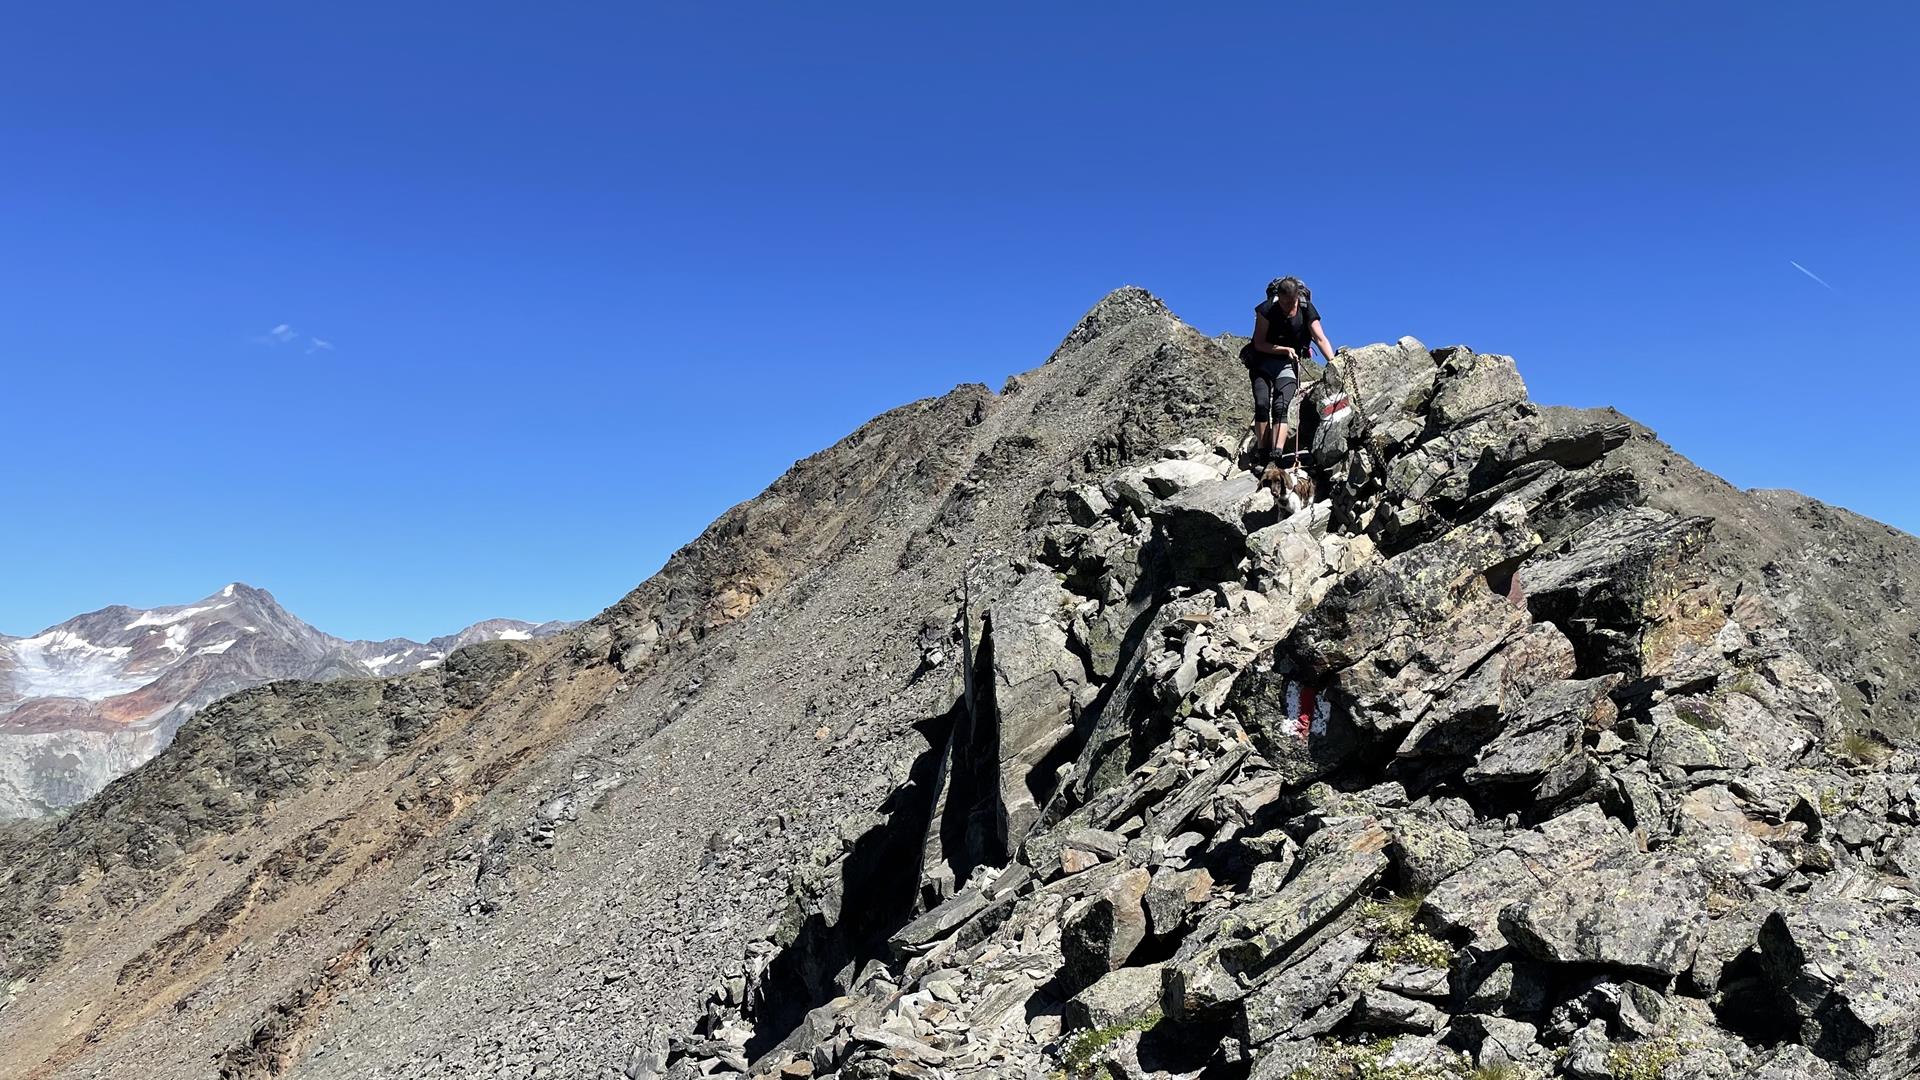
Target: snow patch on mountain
(168,616)
(60,663)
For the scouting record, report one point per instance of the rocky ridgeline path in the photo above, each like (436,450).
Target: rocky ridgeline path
(1468,770)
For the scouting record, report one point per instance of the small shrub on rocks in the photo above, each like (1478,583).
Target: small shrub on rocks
(1643,1060)
(1082,1049)
(1397,938)
(1864,748)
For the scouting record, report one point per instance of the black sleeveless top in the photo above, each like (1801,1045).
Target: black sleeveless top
(1295,331)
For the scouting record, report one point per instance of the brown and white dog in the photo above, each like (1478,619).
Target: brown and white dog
(1291,486)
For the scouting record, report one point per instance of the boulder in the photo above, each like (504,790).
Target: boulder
(1121,996)
(1172,476)
(1629,1009)
(1750,733)
(1793,1062)
(1206,527)
(1733,845)
(1286,1060)
(1100,843)
(1035,678)
(1171,895)
(1142,486)
(900,1045)
(1411,595)
(1572,446)
(1681,743)
(1539,751)
(1505,983)
(1265,700)
(1848,973)
(1617,588)
(936,923)
(1398,686)
(1496,1040)
(1419,981)
(1425,849)
(1086,505)
(1559,502)
(1293,561)
(1172,815)
(1387,1013)
(1472,710)
(1103,930)
(1586,1057)
(1387,385)
(1474,385)
(1469,903)
(1725,938)
(1633,912)
(1439,470)
(1789,687)
(1213,969)
(1284,997)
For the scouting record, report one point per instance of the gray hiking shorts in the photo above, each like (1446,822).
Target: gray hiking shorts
(1274,383)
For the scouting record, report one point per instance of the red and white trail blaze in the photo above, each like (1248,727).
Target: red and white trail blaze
(1306,710)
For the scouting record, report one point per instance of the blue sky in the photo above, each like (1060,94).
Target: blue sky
(588,274)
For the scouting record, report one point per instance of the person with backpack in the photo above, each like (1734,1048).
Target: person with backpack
(1286,326)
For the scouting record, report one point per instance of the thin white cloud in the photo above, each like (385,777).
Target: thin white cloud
(286,334)
(1812,275)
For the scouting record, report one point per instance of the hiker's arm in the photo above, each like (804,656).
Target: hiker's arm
(1260,344)
(1319,335)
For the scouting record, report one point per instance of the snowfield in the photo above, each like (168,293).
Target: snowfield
(60,663)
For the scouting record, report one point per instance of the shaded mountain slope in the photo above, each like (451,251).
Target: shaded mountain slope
(968,699)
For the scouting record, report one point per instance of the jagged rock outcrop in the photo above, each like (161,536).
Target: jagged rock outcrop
(1023,734)
(1478,764)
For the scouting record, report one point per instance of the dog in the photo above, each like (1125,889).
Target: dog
(1291,486)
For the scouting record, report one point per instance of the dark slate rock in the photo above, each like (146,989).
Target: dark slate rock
(1849,973)
(1636,913)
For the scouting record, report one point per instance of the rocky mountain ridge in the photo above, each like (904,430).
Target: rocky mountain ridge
(89,698)
(1472,770)
(1019,734)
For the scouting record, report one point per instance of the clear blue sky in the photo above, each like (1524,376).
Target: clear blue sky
(591,273)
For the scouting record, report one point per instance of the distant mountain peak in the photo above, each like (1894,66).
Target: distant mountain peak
(99,693)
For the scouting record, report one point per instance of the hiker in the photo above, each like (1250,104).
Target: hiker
(1286,326)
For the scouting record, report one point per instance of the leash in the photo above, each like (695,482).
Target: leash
(1299,398)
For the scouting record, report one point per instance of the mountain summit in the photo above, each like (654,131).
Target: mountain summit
(1023,734)
(90,698)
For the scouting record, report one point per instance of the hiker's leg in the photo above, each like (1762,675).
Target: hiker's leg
(1262,412)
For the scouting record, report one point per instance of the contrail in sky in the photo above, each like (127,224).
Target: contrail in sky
(1812,275)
